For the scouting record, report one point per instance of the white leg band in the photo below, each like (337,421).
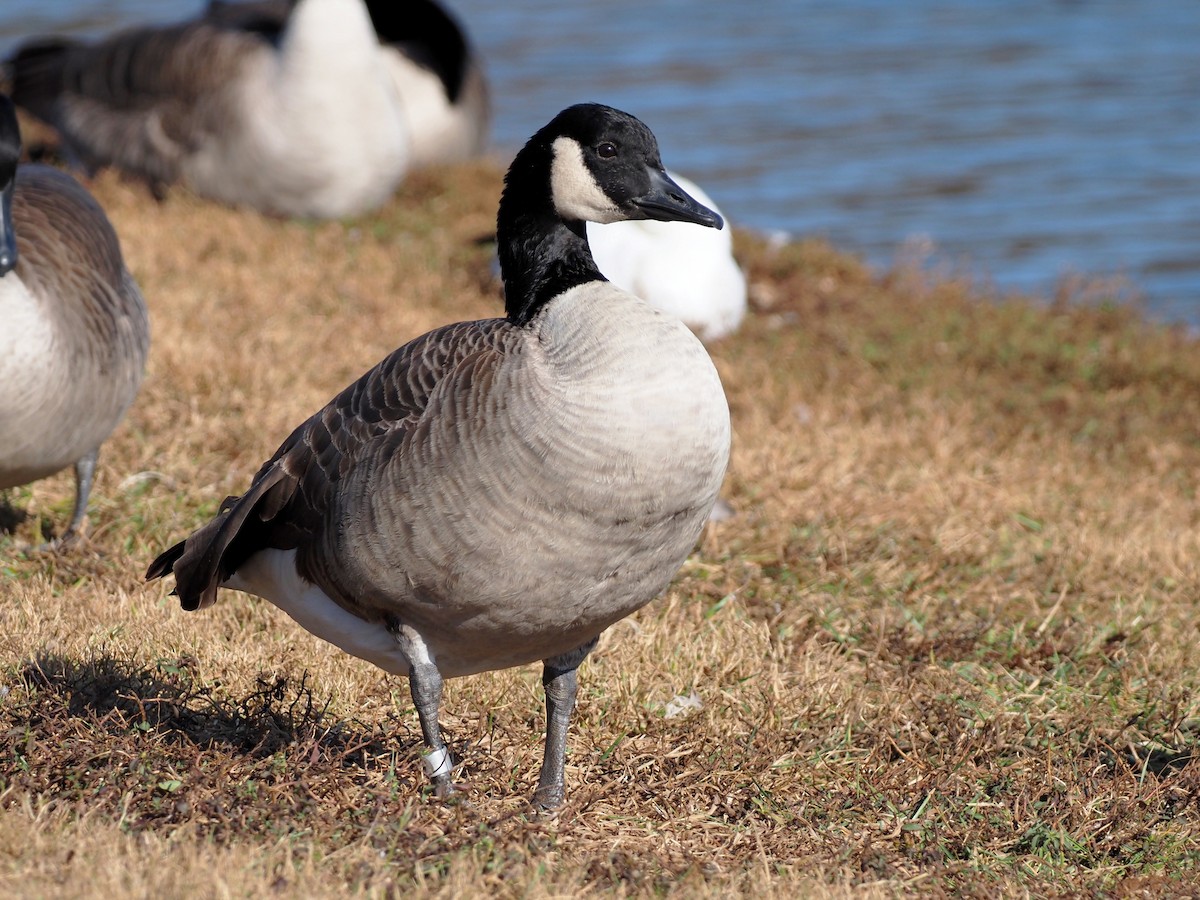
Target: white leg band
(437,762)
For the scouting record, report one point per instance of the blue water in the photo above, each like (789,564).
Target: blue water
(1023,141)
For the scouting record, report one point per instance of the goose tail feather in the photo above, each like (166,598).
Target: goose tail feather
(211,554)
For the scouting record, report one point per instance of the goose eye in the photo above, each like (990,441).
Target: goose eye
(606,150)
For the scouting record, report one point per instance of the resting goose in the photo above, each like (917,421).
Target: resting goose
(678,267)
(497,492)
(73,327)
(305,122)
(437,74)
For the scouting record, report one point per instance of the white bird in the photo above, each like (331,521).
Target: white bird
(302,122)
(74,333)
(497,492)
(683,269)
(437,74)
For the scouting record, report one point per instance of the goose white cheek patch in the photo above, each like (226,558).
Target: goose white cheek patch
(576,195)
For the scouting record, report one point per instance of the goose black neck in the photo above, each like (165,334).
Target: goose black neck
(541,256)
(10,150)
(10,140)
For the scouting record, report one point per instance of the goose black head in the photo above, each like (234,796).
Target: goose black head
(10,152)
(591,163)
(606,167)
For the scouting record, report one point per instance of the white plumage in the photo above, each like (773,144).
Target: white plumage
(682,269)
(303,121)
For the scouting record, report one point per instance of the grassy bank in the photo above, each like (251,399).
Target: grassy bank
(947,644)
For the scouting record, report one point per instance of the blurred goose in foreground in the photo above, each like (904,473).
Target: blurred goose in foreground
(73,327)
(497,492)
(302,122)
(680,268)
(437,74)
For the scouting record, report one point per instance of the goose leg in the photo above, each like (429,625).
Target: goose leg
(85,469)
(425,683)
(560,679)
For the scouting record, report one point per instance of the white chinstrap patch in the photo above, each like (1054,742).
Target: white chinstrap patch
(576,195)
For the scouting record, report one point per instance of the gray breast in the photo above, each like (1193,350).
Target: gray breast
(579,468)
(74,352)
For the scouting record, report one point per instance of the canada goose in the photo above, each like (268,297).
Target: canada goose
(437,74)
(302,123)
(678,267)
(73,327)
(497,492)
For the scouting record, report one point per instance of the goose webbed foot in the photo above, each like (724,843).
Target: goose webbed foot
(68,540)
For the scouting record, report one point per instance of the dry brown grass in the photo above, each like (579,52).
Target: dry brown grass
(947,645)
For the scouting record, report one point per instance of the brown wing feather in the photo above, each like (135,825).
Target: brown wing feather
(140,99)
(203,560)
(291,494)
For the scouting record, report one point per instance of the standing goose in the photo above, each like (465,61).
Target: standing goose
(73,327)
(436,73)
(497,492)
(302,122)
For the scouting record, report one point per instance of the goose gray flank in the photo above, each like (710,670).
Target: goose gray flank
(497,492)
(74,333)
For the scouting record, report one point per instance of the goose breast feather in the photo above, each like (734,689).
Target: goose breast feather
(552,487)
(67,381)
(530,448)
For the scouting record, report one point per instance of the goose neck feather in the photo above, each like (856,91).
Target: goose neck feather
(546,261)
(541,255)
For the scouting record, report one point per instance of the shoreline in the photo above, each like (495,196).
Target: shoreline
(947,638)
